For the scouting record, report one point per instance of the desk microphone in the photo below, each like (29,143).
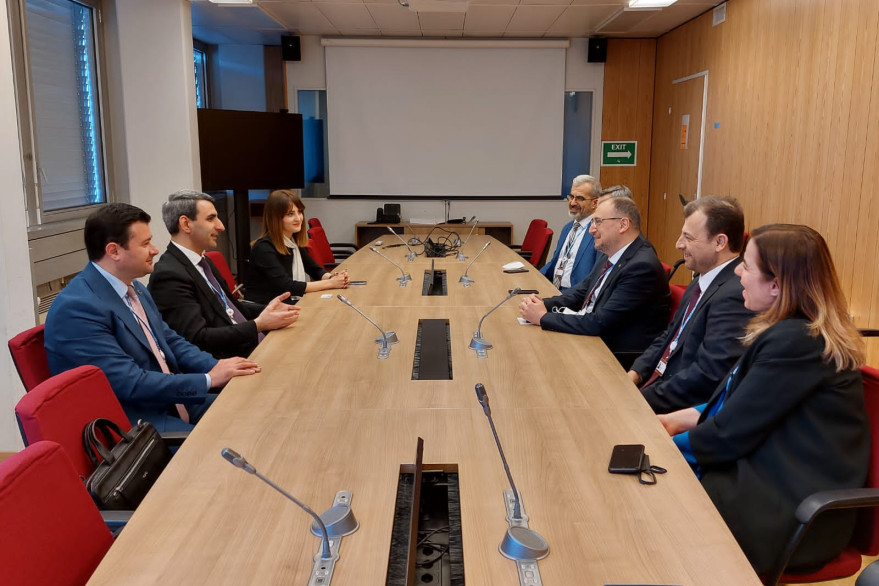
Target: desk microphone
(465,280)
(458,240)
(404,276)
(386,339)
(520,542)
(460,244)
(411,256)
(479,343)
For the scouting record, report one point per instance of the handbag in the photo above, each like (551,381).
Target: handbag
(128,466)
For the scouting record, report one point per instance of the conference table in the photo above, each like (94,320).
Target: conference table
(325,414)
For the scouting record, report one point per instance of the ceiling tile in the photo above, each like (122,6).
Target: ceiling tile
(580,20)
(553,2)
(441,21)
(360,32)
(487,18)
(443,33)
(524,34)
(402,33)
(303,18)
(504,2)
(347,16)
(207,14)
(533,18)
(669,18)
(393,17)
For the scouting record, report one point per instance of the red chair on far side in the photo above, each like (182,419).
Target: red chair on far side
(29,357)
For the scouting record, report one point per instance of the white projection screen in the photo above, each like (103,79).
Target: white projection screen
(445,121)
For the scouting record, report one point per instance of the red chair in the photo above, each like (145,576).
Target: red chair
(220,261)
(677,294)
(541,247)
(58,409)
(341,249)
(29,357)
(318,244)
(865,540)
(533,236)
(56,536)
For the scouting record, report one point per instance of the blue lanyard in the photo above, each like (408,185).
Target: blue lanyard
(719,405)
(684,324)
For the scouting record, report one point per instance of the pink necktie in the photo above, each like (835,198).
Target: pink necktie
(136,306)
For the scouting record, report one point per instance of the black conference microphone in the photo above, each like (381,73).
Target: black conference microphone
(520,542)
(411,256)
(238,461)
(464,278)
(386,339)
(479,343)
(404,276)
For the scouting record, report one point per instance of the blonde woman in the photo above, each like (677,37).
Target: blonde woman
(789,420)
(279,261)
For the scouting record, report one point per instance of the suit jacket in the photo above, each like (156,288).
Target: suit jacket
(584,259)
(631,309)
(271,273)
(790,426)
(704,355)
(89,323)
(193,310)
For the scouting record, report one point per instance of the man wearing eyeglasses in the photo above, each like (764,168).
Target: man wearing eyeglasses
(624,300)
(575,253)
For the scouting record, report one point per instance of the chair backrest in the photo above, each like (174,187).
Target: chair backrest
(534,235)
(314,223)
(867,533)
(29,356)
(677,294)
(321,246)
(58,410)
(56,534)
(541,246)
(220,261)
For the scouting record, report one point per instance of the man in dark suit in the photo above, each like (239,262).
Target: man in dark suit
(575,254)
(685,363)
(625,298)
(192,295)
(106,318)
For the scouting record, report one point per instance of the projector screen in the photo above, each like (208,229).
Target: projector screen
(445,121)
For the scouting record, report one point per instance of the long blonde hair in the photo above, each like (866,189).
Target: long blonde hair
(798,258)
(277,205)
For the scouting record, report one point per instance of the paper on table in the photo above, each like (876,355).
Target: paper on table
(513,265)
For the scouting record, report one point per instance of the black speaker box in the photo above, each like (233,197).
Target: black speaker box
(597,51)
(290,50)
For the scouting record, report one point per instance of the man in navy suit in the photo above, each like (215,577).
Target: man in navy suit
(575,254)
(192,295)
(106,318)
(685,363)
(625,299)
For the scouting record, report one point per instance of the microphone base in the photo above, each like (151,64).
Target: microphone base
(385,349)
(404,279)
(339,521)
(466,281)
(522,544)
(461,257)
(410,256)
(480,345)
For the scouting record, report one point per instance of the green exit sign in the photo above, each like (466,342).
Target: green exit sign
(619,154)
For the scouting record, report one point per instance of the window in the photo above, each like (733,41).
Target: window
(577,150)
(200,57)
(61,108)
(313,107)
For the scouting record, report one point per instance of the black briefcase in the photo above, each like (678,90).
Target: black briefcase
(128,466)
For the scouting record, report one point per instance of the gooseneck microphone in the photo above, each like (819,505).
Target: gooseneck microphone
(460,244)
(386,338)
(520,543)
(404,276)
(479,343)
(411,256)
(465,280)
(238,461)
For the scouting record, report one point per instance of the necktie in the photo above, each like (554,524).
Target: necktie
(557,278)
(231,309)
(694,299)
(607,266)
(140,314)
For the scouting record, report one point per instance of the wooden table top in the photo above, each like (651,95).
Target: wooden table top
(325,415)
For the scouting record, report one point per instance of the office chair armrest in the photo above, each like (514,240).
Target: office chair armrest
(526,254)
(826,500)
(675,267)
(515,246)
(869,332)
(350,245)
(174,438)
(116,520)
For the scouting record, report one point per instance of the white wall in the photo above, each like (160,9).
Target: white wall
(153,127)
(16,302)
(339,216)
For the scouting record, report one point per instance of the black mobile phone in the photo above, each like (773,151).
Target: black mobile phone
(626,459)
(525,291)
(511,271)
(357,282)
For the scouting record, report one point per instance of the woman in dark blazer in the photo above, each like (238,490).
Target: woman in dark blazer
(789,420)
(279,261)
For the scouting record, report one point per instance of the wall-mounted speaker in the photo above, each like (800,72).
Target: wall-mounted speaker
(290,50)
(597,50)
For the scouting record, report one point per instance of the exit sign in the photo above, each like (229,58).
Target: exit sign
(619,154)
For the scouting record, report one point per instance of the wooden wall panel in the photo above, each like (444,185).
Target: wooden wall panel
(627,111)
(794,90)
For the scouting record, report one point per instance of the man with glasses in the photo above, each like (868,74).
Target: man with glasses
(575,253)
(624,300)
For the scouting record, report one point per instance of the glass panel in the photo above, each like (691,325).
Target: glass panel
(66,112)
(313,107)
(577,151)
(201,96)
